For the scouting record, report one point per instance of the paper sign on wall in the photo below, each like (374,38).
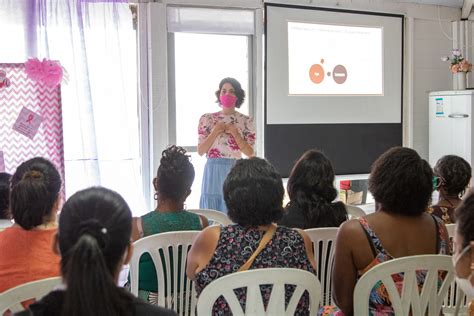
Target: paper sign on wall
(27,123)
(2,162)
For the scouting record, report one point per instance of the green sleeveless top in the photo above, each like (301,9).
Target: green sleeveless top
(155,223)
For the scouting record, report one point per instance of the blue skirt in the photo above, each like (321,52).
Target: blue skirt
(215,172)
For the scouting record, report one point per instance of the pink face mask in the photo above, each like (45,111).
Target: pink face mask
(227,100)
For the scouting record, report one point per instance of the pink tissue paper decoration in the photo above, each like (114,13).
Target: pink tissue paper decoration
(48,71)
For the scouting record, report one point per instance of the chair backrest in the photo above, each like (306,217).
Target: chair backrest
(455,299)
(252,279)
(323,247)
(450,229)
(354,211)
(11,299)
(213,216)
(168,252)
(427,302)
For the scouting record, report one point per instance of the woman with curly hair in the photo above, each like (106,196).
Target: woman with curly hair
(172,186)
(401,184)
(452,176)
(311,190)
(253,191)
(223,136)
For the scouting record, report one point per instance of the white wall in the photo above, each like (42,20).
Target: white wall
(429,74)
(425,44)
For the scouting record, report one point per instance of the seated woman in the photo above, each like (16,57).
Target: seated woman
(172,186)
(452,176)
(5,215)
(463,257)
(253,193)
(311,191)
(401,183)
(94,242)
(25,247)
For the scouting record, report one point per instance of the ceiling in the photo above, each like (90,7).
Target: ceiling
(446,3)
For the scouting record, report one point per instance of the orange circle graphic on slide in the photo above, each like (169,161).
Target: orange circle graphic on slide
(316,73)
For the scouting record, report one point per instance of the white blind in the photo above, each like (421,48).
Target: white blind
(206,20)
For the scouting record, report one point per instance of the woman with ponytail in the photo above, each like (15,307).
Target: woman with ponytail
(311,191)
(26,247)
(172,186)
(94,242)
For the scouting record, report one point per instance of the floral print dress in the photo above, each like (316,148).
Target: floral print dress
(225,145)
(235,246)
(446,213)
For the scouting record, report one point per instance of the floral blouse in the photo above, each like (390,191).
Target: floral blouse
(235,246)
(225,145)
(446,213)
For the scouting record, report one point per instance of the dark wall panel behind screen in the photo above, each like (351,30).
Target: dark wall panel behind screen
(352,148)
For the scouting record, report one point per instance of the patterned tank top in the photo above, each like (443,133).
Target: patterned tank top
(379,300)
(235,246)
(155,223)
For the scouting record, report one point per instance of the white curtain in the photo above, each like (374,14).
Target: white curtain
(96,43)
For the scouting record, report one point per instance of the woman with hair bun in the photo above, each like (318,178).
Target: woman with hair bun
(223,136)
(94,242)
(172,185)
(451,178)
(25,247)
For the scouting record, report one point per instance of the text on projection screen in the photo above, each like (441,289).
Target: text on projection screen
(334,59)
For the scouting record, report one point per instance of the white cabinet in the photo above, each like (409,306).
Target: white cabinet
(450,124)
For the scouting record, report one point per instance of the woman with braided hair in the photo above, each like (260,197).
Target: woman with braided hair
(172,186)
(452,176)
(25,247)
(311,191)
(94,242)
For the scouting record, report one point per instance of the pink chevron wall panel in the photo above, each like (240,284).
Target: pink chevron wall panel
(40,99)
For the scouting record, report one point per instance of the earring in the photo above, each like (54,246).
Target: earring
(155,196)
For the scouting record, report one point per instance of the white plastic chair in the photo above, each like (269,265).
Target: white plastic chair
(323,247)
(354,211)
(450,228)
(167,246)
(431,298)
(213,215)
(252,279)
(455,299)
(11,299)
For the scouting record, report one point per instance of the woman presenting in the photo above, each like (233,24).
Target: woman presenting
(223,137)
